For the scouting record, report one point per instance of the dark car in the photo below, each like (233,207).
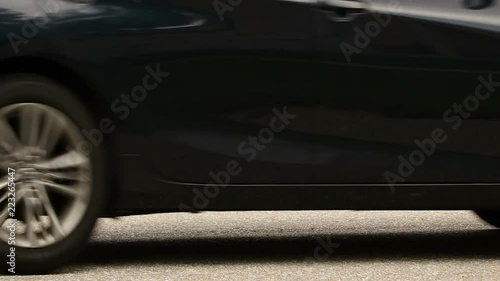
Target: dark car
(121,107)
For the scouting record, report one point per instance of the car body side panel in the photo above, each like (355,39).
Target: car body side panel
(248,68)
(220,72)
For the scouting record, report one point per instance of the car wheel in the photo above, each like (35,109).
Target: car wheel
(491,217)
(50,200)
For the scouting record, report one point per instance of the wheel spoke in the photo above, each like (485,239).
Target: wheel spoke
(61,189)
(5,214)
(29,125)
(51,132)
(4,182)
(76,176)
(50,211)
(49,238)
(4,197)
(8,138)
(70,159)
(29,220)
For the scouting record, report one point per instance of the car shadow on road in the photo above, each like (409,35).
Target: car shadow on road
(470,244)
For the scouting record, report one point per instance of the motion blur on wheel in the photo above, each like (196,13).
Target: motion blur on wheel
(51,191)
(120,107)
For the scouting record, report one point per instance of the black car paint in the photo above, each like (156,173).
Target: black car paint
(353,120)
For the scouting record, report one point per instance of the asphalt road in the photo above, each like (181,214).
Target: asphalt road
(282,246)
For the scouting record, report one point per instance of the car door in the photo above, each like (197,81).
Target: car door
(194,86)
(405,92)
(234,69)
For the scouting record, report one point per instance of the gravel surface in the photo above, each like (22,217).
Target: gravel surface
(305,245)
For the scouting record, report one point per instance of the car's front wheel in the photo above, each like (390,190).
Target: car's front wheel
(51,181)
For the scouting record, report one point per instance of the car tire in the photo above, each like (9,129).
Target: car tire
(54,244)
(491,217)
